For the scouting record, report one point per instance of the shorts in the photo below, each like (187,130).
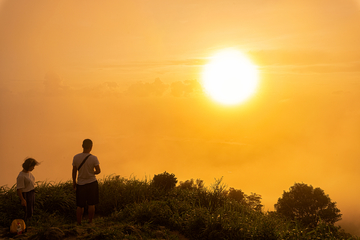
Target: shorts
(87,194)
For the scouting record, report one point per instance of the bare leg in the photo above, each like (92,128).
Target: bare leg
(79,214)
(91,211)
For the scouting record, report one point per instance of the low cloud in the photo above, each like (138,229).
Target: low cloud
(140,89)
(184,88)
(158,88)
(111,85)
(54,85)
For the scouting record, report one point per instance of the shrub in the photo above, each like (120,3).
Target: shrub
(191,185)
(164,181)
(308,206)
(57,198)
(117,192)
(213,198)
(10,207)
(135,209)
(155,212)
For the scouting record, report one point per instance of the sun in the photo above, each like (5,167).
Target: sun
(230,77)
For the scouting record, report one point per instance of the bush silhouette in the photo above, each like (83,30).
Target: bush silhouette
(192,185)
(307,205)
(164,181)
(253,200)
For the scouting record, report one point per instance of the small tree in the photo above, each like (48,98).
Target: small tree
(308,206)
(165,181)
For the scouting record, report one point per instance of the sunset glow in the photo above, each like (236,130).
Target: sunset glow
(261,93)
(230,77)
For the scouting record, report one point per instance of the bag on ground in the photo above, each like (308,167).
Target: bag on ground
(17,226)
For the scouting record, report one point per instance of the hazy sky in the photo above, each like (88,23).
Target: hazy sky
(127,75)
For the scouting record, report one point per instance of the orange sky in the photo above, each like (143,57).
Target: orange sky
(127,75)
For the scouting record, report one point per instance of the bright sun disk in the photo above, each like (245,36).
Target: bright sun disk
(230,77)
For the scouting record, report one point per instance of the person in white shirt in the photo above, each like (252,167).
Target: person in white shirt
(86,185)
(25,185)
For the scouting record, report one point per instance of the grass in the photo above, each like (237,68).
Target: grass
(134,209)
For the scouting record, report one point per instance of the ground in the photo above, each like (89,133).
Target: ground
(102,228)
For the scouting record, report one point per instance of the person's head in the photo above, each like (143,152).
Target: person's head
(29,164)
(87,144)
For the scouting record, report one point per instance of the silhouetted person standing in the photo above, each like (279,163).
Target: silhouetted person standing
(86,186)
(25,185)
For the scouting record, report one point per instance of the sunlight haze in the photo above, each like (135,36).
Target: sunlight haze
(127,74)
(229,78)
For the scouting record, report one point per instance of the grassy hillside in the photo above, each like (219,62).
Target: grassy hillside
(134,209)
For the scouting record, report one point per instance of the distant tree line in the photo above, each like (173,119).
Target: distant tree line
(301,203)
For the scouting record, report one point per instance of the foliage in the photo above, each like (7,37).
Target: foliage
(117,192)
(56,198)
(253,200)
(191,185)
(10,207)
(215,197)
(237,195)
(307,205)
(164,181)
(134,209)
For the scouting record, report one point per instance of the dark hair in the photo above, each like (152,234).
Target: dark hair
(29,162)
(87,143)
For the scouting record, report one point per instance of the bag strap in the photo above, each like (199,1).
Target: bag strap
(83,162)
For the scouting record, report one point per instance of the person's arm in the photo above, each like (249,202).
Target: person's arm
(97,169)
(74,173)
(23,201)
